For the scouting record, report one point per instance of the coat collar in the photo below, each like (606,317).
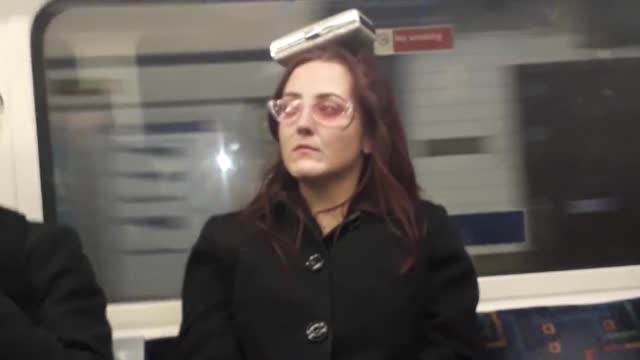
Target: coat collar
(288,206)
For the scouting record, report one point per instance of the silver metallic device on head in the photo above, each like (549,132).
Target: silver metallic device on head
(349,29)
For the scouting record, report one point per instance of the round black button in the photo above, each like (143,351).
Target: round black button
(315,262)
(317,331)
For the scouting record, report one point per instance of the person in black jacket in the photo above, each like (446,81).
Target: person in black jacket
(51,307)
(336,257)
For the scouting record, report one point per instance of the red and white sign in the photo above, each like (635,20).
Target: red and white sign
(414,39)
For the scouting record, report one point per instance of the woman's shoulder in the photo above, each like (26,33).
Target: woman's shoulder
(221,222)
(432,211)
(440,230)
(222,230)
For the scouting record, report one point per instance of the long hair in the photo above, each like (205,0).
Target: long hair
(387,183)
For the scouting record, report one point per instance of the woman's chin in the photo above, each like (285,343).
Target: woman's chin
(305,172)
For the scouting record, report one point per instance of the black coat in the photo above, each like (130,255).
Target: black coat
(51,307)
(343,301)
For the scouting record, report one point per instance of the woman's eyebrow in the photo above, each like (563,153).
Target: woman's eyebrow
(328,95)
(292,94)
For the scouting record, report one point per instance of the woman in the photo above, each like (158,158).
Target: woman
(336,257)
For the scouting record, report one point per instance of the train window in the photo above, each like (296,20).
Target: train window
(154,116)
(520,115)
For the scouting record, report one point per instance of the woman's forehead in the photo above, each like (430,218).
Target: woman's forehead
(317,78)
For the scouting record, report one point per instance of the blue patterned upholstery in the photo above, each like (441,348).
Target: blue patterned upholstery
(608,331)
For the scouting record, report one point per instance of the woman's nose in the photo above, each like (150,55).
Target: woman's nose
(305,123)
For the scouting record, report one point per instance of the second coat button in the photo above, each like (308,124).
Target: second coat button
(315,262)
(317,331)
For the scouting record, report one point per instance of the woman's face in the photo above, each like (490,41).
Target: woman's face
(321,134)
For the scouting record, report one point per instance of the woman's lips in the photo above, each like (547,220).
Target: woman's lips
(304,147)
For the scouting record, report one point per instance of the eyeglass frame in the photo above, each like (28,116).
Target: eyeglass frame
(349,112)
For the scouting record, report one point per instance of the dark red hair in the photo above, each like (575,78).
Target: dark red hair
(387,184)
